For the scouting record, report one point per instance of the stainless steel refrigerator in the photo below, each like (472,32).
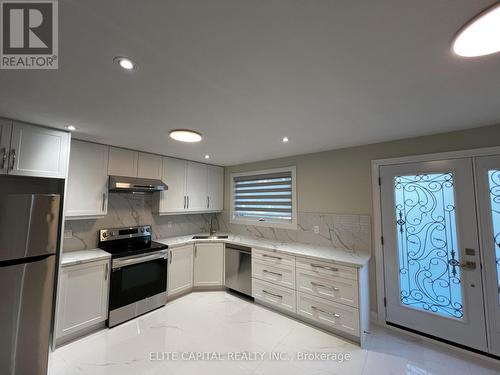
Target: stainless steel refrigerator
(28,242)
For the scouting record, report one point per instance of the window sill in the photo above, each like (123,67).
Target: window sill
(267,224)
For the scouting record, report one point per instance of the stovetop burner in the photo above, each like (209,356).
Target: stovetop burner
(123,242)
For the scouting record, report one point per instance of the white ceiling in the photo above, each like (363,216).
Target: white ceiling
(245,73)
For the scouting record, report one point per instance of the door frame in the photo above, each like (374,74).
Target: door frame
(380,316)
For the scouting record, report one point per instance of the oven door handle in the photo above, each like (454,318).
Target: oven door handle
(117,263)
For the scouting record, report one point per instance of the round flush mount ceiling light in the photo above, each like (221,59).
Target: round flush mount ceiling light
(185,135)
(284,140)
(124,62)
(207,156)
(481,36)
(70,127)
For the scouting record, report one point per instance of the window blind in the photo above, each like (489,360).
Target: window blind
(265,197)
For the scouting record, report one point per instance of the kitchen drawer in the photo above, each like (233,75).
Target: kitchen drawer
(274,258)
(327,269)
(281,275)
(275,295)
(335,315)
(336,289)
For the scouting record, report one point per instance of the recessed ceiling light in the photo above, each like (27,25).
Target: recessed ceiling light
(70,127)
(284,140)
(481,35)
(207,156)
(185,135)
(124,62)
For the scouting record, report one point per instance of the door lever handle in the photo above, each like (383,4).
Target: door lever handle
(468,265)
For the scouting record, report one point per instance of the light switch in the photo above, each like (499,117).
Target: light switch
(316,229)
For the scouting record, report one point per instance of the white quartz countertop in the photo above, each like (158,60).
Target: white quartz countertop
(331,254)
(83,256)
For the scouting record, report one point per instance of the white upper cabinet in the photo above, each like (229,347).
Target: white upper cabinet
(215,188)
(5,130)
(174,175)
(122,162)
(149,166)
(37,151)
(87,189)
(192,187)
(196,187)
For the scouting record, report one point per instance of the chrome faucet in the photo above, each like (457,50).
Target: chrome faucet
(212,230)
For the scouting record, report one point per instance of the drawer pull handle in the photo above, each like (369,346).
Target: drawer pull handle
(325,286)
(271,256)
(326,312)
(273,273)
(272,294)
(325,267)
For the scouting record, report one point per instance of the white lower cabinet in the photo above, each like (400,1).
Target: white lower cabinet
(180,270)
(82,298)
(335,289)
(335,315)
(275,295)
(208,264)
(332,296)
(280,275)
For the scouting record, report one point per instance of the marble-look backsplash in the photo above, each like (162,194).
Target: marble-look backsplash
(130,210)
(350,232)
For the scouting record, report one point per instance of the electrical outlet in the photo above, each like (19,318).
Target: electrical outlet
(316,229)
(68,233)
(169,224)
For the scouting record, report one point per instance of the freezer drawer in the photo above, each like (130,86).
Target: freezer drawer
(238,269)
(25,316)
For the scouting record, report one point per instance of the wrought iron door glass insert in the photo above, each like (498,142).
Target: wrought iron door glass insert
(429,272)
(494,185)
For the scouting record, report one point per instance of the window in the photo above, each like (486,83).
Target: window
(265,198)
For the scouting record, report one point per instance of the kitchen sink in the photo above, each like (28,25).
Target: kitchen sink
(207,237)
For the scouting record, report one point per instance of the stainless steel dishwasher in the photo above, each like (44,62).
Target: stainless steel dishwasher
(238,261)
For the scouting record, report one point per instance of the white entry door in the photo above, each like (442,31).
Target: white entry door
(488,181)
(431,251)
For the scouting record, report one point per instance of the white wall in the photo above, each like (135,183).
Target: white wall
(339,181)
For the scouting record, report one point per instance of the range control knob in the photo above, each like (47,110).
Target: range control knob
(104,234)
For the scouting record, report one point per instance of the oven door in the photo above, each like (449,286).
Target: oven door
(136,278)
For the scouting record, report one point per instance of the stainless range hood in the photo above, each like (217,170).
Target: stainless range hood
(123,184)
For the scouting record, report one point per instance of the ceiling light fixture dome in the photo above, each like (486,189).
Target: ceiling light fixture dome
(185,135)
(125,62)
(481,36)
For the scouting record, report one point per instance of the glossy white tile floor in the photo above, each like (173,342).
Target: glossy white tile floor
(222,323)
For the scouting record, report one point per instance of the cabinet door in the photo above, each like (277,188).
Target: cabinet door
(196,186)
(180,270)
(215,188)
(208,264)
(149,166)
(5,130)
(174,175)
(122,162)
(39,152)
(83,297)
(87,180)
